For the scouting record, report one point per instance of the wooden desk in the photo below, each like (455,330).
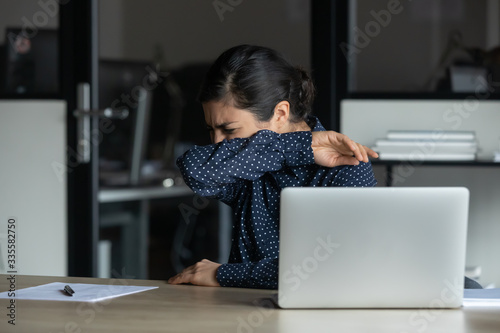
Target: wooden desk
(205,309)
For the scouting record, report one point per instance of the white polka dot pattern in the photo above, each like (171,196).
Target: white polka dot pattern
(248,174)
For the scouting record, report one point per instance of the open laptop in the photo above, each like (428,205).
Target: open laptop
(372,247)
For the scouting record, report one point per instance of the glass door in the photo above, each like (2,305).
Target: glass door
(47,50)
(79,56)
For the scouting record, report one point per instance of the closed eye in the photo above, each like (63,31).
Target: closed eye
(229,130)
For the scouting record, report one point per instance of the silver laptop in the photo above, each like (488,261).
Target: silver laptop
(372,247)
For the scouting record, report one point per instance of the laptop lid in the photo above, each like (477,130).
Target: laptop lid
(372,247)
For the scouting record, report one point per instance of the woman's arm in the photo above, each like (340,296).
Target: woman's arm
(215,170)
(262,274)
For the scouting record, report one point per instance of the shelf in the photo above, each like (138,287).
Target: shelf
(142,193)
(390,164)
(437,163)
(419,95)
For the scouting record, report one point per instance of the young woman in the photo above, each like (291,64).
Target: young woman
(258,110)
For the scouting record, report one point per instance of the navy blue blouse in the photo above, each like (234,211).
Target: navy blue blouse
(248,175)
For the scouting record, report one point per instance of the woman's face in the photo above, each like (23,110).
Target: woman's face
(225,121)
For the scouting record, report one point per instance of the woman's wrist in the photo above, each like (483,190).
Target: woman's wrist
(333,149)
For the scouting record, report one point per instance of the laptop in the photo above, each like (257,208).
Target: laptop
(372,247)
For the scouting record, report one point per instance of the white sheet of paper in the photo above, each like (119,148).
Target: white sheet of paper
(84,292)
(482,297)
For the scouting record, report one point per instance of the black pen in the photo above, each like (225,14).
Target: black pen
(68,290)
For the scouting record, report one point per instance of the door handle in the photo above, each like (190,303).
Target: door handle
(83,113)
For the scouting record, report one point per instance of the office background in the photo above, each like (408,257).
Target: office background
(400,59)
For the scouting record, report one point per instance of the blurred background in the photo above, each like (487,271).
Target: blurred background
(117,205)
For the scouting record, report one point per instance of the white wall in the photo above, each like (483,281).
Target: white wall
(32,142)
(367,120)
(191,31)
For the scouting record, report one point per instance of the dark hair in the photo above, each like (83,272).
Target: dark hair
(256,78)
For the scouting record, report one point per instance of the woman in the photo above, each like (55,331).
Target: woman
(257,108)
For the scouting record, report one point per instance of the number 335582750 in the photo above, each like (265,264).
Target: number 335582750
(11,234)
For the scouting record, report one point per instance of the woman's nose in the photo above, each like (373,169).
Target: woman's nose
(218,137)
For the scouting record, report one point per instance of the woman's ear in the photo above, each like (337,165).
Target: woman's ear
(281,116)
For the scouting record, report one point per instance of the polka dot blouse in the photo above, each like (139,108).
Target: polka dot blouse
(248,174)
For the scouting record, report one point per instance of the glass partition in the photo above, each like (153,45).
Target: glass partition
(448,46)
(29,53)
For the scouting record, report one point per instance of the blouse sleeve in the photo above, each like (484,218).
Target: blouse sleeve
(217,170)
(262,274)
(355,176)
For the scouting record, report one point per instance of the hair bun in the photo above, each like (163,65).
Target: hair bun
(256,79)
(307,91)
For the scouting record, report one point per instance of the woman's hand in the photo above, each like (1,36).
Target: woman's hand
(203,273)
(333,149)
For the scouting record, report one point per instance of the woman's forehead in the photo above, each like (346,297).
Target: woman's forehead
(217,113)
